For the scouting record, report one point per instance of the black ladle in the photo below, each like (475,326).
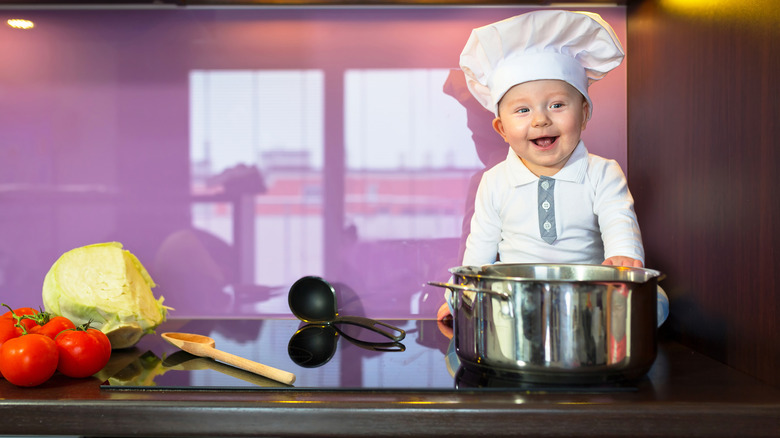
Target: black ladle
(313,300)
(314,345)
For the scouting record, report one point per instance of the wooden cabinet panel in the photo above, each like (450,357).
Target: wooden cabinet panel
(703,102)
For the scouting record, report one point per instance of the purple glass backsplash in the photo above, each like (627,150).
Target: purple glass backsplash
(235,151)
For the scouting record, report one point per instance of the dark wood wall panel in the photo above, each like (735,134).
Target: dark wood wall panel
(703,137)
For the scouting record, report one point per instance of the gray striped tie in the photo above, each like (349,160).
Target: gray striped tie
(547,209)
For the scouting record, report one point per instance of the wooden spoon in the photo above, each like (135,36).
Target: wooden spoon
(204,346)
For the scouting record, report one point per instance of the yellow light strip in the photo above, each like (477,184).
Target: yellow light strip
(19,23)
(767,11)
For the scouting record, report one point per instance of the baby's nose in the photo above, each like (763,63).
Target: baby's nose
(541,119)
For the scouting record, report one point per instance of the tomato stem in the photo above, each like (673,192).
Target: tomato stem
(18,319)
(41,318)
(84,327)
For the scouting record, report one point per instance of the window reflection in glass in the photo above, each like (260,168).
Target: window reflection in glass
(409,156)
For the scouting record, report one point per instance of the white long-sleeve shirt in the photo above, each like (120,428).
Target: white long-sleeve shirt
(594,214)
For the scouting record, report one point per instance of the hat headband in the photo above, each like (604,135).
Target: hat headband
(528,67)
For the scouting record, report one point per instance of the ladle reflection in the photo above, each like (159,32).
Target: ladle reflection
(314,345)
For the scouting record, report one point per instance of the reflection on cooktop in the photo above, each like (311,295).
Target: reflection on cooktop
(471,378)
(322,357)
(314,345)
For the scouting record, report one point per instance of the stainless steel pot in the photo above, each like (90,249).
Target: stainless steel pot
(547,323)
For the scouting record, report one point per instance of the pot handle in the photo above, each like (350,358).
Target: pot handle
(469,289)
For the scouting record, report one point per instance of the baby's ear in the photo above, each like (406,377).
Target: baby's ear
(585,111)
(499,127)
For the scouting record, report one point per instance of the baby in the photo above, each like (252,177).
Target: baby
(549,201)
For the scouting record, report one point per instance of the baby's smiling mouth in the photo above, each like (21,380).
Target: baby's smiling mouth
(544,142)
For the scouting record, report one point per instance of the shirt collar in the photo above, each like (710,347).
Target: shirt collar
(573,171)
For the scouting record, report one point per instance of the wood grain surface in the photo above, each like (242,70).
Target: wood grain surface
(704,106)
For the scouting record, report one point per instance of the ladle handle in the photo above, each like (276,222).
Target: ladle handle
(371,324)
(246,364)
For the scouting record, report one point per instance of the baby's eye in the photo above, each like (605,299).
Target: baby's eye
(522,110)
(556,105)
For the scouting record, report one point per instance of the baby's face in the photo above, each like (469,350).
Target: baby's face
(542,121)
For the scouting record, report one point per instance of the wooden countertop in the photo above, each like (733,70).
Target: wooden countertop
(686,394)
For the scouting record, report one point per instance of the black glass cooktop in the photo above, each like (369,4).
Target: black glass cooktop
(320,357)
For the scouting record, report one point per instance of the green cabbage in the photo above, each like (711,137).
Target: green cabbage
(107,286)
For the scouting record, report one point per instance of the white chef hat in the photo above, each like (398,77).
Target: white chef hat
(576,47)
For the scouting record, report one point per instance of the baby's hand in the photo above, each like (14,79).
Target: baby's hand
(623,261)
(443,313)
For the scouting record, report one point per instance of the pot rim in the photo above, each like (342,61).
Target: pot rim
(477,272)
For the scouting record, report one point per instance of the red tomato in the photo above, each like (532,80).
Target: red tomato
(8,330)
(28,324)
(28,360)
(82,353)
(103,340)
(54,326)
